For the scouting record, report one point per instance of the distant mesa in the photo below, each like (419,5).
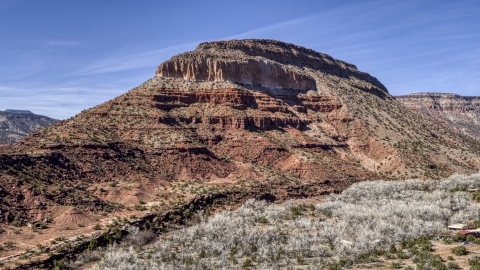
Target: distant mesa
(19,111)
(460,113)
(16,124)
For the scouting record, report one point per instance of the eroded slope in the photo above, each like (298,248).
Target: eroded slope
(250,117)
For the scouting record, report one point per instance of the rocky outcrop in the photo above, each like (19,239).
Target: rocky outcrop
(266,63)
(249,72)
(168,99)
(461,113)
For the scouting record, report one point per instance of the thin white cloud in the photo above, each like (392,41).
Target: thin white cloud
(267,28)
(461,16)
(55,42)
(56,102)
(25,74)
(134,61)
(121,62)
(65,98)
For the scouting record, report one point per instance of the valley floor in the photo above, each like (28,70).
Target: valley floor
(378,224)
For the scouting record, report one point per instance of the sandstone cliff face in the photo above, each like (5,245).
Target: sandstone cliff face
(232,117)
(454,111)
(261,73)
(266,63)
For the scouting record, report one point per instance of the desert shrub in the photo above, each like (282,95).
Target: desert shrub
(459,251)
(345,262)
(59,238)
(452,265)
(396,265)
(59,265)
(476,196)
(116,233)
(425,260)
(93,244)
(389,256)
(262,219)
(405,244)
(42,248)
(426,247)
(459,237)
(402,255)
(476,224)
(140,207)
(474,261)
(296,211)
(367,257)
(447,240)
(393,249)
(471,238)
(247,263)
(61,248)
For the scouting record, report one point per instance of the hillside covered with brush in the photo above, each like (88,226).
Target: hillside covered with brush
(246,118)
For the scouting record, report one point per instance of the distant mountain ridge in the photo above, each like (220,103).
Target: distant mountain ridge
(16,124)
(19,111)
(461,113)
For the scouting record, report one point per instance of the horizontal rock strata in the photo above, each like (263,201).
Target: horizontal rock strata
(461,113)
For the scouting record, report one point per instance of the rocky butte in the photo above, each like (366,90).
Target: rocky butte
(242,118)
(454,111)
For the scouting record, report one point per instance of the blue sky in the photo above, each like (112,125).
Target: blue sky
(60,57)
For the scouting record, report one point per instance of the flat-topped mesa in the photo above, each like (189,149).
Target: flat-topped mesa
(460,113)
(441,102)
(266,63)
